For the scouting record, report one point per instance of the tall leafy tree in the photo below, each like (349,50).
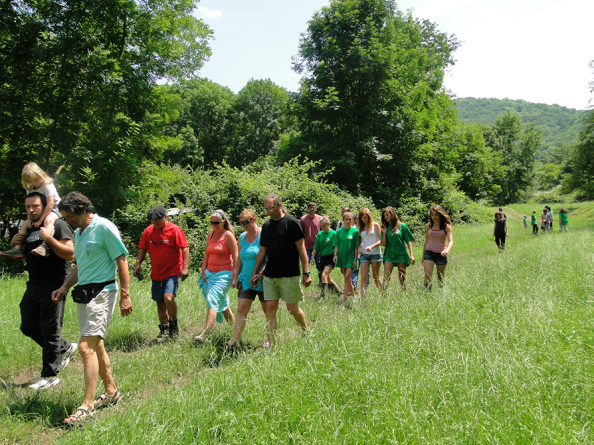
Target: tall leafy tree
(260,115)
(78,83)
(371,104)
(480,169)
(518,147)
(205,126)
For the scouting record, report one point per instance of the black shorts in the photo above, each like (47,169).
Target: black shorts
(249,293)
(435,257)
(327,260)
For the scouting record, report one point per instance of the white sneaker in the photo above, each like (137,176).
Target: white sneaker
(66,356)
(45,383)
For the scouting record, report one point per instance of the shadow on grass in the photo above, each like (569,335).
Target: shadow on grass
(222,353)
(125,341)
(36,407)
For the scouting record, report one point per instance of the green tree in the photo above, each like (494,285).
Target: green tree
(581,163)
(548,176)
(78,83)
(205,124)
(371,105)
(480,169)
(260,115)
(518,148)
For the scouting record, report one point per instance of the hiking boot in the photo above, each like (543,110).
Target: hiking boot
(12,254)
(66,356)
(164,332)
(173,329)
(45,383)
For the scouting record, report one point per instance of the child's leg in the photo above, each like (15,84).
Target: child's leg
(50,220)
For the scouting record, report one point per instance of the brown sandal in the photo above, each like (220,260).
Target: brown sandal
(79,416)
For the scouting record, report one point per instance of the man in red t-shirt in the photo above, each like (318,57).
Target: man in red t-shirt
(310,224)
(168,248)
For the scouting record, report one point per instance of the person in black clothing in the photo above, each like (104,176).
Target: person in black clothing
(500,230)
(282,242)
(41,318)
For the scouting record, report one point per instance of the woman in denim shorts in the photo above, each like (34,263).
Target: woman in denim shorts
(369,249)
(435,250)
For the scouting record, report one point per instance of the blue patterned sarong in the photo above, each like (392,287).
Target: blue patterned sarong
(216,291)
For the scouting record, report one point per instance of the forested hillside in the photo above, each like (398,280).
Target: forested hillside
(558,125)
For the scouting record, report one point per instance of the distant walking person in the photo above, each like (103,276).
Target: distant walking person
(369,249)
(545,220)
(282,244)
(346,247)
(563,219)
(534,223)
(435,251)
(34,179)
(324,247)
(41,318)
(99,252)
(500,231)
(525,221)
(551,217)
(310,223)
(168,249)
(217,271)
(396,238)
(340,223)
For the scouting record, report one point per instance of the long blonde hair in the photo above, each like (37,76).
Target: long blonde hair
(32,171)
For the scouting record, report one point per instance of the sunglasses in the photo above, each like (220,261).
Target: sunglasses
(216,223)
(246,222)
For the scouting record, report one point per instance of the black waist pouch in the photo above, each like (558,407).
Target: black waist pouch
(86,292)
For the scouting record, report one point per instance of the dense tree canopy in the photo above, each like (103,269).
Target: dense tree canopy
(78,83)
(371,104)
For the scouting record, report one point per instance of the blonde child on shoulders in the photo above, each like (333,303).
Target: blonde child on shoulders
(34,179)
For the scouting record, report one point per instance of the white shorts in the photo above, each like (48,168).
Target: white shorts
(94,317)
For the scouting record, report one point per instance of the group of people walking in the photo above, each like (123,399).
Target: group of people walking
(501,229)
(269,263)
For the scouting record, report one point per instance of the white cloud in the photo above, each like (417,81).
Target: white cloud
(205,12)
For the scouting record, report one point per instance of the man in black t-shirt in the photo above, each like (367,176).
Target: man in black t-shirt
(282,241)
(41,318)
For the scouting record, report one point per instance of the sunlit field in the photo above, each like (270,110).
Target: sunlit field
(501,354)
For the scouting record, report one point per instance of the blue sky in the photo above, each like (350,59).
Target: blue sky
(538,51)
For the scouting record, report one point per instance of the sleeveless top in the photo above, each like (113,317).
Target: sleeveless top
(436,240)
(219,256)
(369,238)
(248,253)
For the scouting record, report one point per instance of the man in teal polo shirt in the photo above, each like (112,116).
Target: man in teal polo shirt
(99,251)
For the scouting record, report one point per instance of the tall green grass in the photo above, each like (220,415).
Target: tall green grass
(501,354)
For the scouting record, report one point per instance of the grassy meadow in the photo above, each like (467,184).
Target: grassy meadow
(503,353)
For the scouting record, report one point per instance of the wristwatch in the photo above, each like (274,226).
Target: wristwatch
(307,273)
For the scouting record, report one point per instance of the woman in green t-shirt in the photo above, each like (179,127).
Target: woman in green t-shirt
(563,219)
(346,244)
(396,238)
(324,247)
